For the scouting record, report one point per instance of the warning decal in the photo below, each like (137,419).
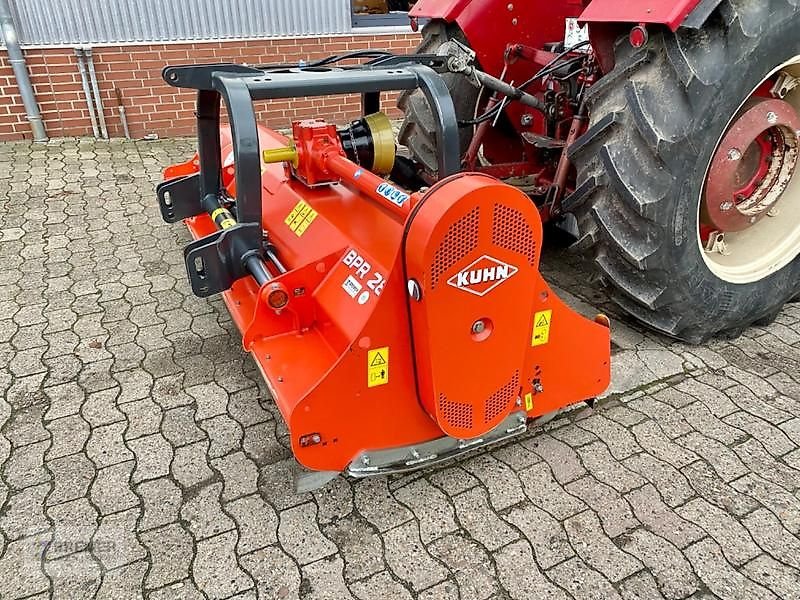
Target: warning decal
(541,327)
(301,217)
(378,367)
(529,402)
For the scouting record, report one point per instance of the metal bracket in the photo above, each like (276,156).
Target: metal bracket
(461,59)
(437,62)
(217,261)
(201,77)
(716,244)
(214,262)
(784,84)
(542,142)
(410,458)
(238,86)
(180,198)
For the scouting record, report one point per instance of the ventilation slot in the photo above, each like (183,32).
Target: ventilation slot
(461,239)
(498,402)
(457,415)
(510,230)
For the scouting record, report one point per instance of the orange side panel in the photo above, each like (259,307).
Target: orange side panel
(489,334)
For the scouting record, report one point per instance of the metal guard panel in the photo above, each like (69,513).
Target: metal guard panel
(436,9)
(666,12)
(426,454)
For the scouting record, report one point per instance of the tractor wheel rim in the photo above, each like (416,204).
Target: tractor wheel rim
(749,222)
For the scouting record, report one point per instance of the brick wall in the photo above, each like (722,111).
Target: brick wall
(151,105)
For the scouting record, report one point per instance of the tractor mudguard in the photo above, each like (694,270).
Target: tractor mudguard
(671,13)
(539,22)
(466,12)
(448,10)
(533,23)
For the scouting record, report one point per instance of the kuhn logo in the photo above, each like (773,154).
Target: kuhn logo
(482,276)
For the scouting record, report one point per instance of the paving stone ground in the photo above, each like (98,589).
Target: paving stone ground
(140,455)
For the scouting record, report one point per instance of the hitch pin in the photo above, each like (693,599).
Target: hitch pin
(224,219)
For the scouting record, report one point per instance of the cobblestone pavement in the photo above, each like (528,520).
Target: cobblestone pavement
(140,454)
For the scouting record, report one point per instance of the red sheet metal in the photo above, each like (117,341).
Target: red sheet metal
(665,12)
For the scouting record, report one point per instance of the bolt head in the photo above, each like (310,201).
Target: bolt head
(514,21)
(725,206)
(772,118)
(734,154)
(510,7)
(753,219)
(414,290)
(478,327)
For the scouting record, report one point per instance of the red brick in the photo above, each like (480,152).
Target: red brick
(152,105)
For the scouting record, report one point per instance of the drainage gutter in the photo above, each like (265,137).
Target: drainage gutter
(17,60)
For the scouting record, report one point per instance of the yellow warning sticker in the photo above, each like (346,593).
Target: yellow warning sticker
(300,218)
(541,327)
(529,402)
(378,367)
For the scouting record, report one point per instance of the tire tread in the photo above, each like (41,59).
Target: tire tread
(627,163)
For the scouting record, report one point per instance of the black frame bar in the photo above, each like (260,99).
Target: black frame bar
(239,86)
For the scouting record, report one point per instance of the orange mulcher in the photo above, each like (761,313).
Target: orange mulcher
(394,329)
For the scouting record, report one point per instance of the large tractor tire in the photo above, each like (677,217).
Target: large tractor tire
(687,197)
(417,130)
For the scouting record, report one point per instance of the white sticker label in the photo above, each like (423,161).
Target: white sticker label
(358,263)
(575,34)
(376,283)
(363,271)
(392,194)
(351,286)
(482,276)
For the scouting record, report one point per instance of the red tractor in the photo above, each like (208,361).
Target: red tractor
(393,303)
(662,134)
